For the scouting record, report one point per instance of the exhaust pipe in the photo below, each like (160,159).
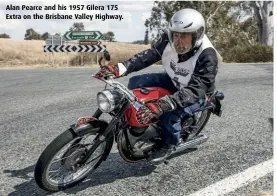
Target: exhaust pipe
(193,142)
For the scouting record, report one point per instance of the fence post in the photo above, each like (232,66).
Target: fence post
(53,59)
(97,58)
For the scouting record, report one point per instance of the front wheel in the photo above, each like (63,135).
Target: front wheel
(58,166)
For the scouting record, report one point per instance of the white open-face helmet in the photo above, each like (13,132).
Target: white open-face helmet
(187,20)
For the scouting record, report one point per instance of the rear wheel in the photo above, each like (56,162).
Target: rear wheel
(58,166)
(202,118)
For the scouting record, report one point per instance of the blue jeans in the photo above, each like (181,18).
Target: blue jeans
(171,121)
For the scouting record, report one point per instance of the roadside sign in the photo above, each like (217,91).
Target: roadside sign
(85,35)
(73,48)
(89,42)
(54,40)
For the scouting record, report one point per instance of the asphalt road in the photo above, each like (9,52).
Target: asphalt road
(37,105)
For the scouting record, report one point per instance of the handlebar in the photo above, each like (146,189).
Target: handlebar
(129,94)
(110,81)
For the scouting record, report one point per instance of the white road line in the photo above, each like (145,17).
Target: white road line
(236,181)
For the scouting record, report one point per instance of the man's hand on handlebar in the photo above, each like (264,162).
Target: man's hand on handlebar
(108,70)
(153,111)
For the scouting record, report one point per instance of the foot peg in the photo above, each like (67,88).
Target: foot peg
(191,143)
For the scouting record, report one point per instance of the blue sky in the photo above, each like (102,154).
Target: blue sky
(129,29)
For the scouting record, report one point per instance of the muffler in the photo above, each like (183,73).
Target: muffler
(191,143)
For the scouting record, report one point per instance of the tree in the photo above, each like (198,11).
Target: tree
(4,35)
(224,26)
(109,36)
(105,37)
(32,34)
(262,11)
(146,38)
(162,12)
(45,35)
(77,26)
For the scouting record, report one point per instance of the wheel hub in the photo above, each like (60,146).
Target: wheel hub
(74,156)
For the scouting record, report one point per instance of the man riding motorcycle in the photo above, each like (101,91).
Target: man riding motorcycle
(191,65)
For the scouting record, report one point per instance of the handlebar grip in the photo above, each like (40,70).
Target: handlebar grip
(220,96)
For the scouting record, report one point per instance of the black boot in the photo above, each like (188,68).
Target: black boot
(160,156)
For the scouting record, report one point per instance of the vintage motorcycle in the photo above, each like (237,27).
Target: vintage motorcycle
(85,144)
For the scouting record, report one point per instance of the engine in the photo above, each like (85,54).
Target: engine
(141,140)
(135,142)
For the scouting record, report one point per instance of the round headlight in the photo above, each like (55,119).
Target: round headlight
(108,100)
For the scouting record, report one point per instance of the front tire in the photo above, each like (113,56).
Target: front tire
(41,173)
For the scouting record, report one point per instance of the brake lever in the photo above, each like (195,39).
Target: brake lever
(109,76)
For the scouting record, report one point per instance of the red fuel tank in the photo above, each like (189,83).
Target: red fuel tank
(143,94)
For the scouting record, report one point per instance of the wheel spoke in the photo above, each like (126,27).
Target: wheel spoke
(53,171)
(72,146)
(94,158)
(59,174)
(200,118)
(57,160)
(56,174)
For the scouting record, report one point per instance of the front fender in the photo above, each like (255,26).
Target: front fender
(94,126)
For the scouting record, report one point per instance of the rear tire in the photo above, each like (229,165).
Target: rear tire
(51,150)
(204,121)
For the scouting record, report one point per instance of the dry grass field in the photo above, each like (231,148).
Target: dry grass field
(30,54)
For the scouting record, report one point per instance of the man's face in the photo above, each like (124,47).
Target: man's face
(182,42)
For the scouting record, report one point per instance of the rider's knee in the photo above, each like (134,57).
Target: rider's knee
(133,81)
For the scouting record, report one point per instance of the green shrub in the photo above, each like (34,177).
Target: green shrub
(248,54)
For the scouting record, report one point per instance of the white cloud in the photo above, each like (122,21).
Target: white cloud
(137,6)
(11,25)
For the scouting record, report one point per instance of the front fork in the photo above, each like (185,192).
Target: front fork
(97,113)
(106,133)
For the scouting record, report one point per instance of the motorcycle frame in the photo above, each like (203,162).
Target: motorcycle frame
(130,98)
